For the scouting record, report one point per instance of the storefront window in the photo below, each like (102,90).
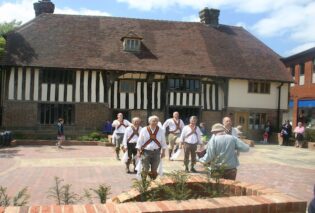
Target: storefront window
(257,121)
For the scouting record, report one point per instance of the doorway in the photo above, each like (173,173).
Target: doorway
(184,113)
(241,118)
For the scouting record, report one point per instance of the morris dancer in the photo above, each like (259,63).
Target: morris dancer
(191,137)
(120,127)
(151,147)
(130,141)
(175,126)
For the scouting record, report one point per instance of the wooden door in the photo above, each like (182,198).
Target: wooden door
(241,118)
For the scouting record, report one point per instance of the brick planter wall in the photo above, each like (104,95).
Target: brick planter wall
(244,198)
(53,142)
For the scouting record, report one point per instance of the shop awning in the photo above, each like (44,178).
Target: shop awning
(306,103)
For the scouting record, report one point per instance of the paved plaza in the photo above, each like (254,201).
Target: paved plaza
(287,169)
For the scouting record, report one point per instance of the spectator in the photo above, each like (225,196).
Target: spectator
(223,148)
(286,132)
(311,206)
(61,135)
(299,135)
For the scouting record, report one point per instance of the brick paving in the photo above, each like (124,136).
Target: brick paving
(286,169)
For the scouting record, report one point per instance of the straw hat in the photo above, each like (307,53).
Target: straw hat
(218,128)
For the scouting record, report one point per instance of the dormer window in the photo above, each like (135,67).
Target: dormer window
(131,42)
(132,45)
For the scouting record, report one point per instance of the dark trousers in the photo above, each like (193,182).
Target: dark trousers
(230,174)
(132,151)
(151,159)
(190,149)
(286,140)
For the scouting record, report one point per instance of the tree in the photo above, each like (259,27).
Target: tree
(5,28)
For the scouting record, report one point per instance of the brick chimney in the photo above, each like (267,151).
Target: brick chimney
(209,16)
(43,6)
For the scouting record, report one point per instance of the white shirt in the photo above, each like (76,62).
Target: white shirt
(193,138)
(128,133)
(172,126)
(145,136)
(235,132)
(121,129)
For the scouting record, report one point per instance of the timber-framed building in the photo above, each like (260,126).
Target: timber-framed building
(88,68)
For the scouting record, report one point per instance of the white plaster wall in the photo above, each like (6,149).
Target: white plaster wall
(239,96)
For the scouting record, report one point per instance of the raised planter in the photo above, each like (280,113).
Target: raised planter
(53,142)
(311,145)
(243,198)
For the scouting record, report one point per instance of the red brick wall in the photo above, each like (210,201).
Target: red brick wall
(300,92)
(255,198)
(17,114)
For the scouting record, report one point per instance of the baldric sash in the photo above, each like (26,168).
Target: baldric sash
(122,124)
(177,124)
(193,131)
(134,132)
(152,138)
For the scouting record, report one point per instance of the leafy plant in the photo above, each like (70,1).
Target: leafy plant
(180,189)
(55,192)
(87,194)
(62,193)
(142,186)
(21,199)
(4,197)
(67,196)
(310,135)
(102,192)
(214,172)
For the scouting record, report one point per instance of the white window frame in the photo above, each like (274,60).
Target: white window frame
(132,45)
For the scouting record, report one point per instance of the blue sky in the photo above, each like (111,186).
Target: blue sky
(286,26)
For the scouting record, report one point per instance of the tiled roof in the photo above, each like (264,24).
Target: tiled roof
(94,42)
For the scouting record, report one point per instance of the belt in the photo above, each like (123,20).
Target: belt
(175,133)
(152,150)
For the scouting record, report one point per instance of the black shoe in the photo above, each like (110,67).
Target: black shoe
(193,170)
(186,169)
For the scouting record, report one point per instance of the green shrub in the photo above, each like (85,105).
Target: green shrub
(62,194)
(180,190)
(21,199)
(102,192)
(310,135)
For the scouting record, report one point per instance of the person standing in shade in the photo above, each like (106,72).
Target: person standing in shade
(120,125)
(61,135)
(191,137)
(286,132)
(130,141)
(175,126)
(151,147)
(222,148)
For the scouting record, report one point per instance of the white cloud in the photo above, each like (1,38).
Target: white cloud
(192,18)
(22,10)
(81,11)
(300,48)
(241,24)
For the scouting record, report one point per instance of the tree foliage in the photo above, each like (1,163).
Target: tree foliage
(4,29)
